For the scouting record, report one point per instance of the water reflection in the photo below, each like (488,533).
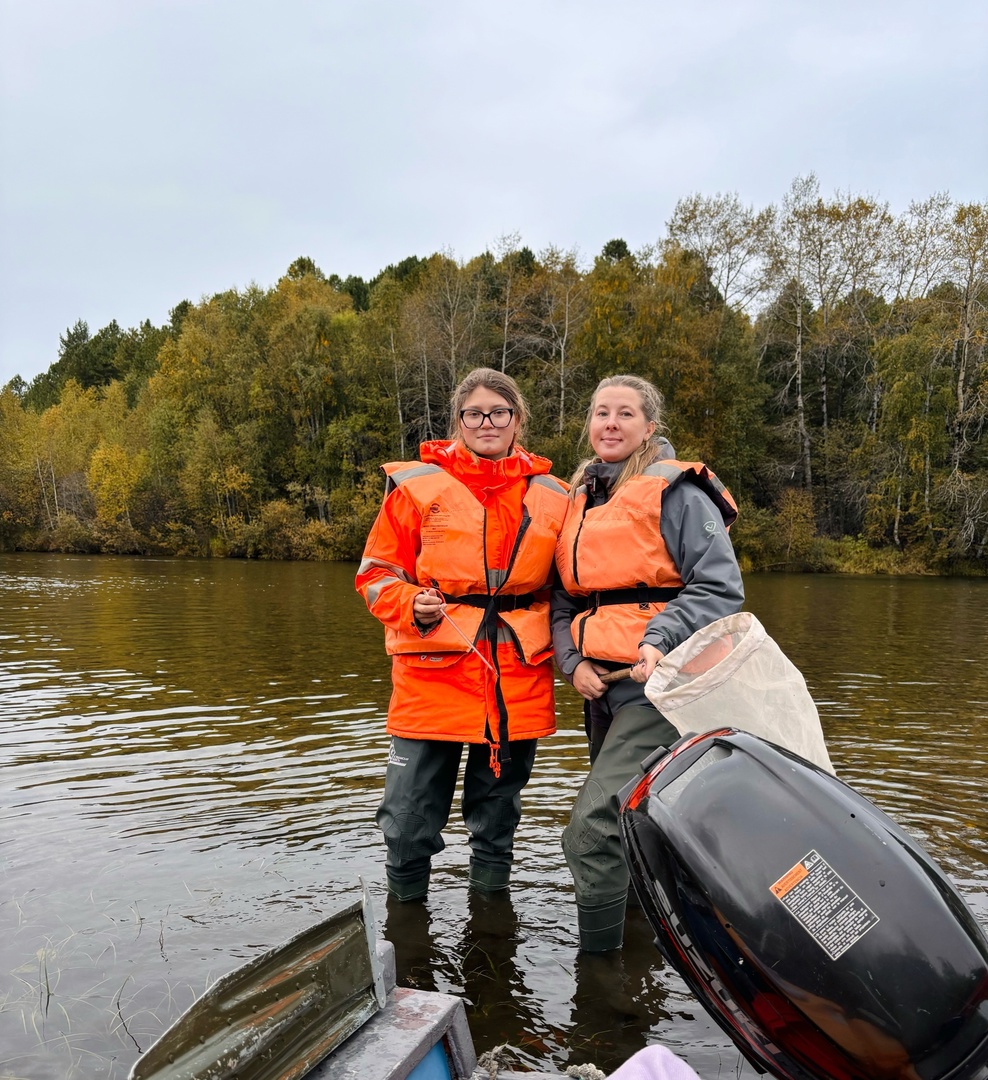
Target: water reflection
(611,1002)
(191,755)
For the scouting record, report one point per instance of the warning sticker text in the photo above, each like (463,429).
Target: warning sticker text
(824,904)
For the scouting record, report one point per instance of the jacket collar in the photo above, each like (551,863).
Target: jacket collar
(465,465)
(599,478)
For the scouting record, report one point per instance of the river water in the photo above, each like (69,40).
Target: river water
(191,754)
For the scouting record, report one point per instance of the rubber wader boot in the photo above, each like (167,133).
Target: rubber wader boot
(402,889)
(489,879)
(601,926)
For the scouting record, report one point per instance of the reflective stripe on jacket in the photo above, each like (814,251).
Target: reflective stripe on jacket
(618,545)
(452,559)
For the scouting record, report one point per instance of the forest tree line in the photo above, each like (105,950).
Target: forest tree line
(825,356)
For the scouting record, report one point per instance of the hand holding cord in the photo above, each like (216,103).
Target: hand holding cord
(427,607)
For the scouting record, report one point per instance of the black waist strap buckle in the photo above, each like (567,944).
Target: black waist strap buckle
(643,595)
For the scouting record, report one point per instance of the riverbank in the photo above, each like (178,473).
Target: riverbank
(282,536)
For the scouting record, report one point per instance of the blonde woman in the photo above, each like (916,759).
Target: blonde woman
(644,561)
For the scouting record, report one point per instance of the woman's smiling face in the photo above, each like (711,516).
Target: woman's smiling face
(617,424)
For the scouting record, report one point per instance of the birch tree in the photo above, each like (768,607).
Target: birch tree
(555,314)
(788,271)
(731,239)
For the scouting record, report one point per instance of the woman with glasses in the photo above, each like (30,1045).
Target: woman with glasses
(644,561)
(457,568)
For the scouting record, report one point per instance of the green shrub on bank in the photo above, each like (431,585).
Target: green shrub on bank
(784,540)
(176,538)
(280,531)
(352,512)
(854,555)
(71,537)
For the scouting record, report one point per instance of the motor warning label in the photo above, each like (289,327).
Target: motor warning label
(824,904)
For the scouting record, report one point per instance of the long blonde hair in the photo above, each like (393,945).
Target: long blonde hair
(651,405)
(490,379)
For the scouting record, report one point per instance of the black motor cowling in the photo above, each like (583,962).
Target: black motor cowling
(814,930)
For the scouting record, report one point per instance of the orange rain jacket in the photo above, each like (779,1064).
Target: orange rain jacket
(614,555)
(457,522)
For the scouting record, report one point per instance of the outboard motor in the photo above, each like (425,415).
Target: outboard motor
(816,932)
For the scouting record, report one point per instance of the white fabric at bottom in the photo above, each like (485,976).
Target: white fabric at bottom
(654,1063)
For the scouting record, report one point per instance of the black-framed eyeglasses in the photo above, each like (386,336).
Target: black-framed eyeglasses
(474,418)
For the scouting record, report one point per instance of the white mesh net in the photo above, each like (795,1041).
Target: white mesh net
(732,674)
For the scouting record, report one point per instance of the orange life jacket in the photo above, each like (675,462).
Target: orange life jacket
(614,555)
(452,559)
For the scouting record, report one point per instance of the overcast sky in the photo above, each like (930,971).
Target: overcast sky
(158,150)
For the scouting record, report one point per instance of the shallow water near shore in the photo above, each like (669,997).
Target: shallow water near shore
(191,754)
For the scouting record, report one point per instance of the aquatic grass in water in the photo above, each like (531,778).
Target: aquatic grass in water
(71,1005)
